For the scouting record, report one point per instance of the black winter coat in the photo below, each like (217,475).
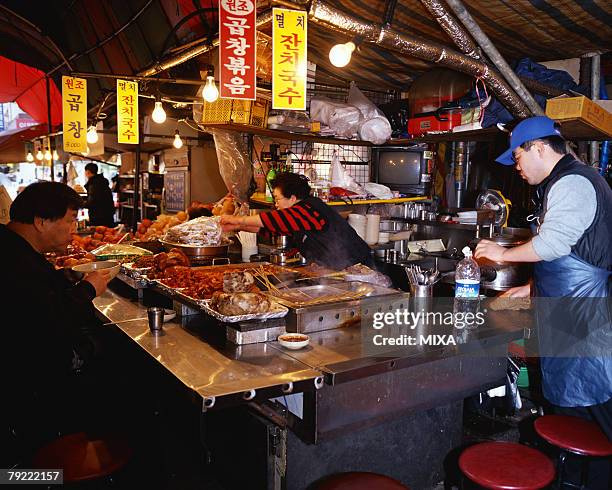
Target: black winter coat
(100,202)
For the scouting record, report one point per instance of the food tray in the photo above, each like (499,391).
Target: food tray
(291,296)
(137,272)
(276,311)
(119,252)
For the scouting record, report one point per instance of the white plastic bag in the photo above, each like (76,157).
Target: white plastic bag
(341,178)
(375,127)
(342,119)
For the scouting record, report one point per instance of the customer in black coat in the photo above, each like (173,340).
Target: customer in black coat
(49,328)
(99,198)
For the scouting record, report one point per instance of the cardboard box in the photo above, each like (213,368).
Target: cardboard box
(5,205)
(176,157)
(580,109)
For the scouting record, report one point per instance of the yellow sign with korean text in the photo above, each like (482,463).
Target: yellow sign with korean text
(289,42)
(127,112)
(74,114)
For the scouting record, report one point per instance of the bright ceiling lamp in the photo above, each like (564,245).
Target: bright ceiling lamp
(92,135)
(30,157)
(48,155)
(55,155)
(210,92)
(340,54)
(158,115)
(39,155)
(178,142)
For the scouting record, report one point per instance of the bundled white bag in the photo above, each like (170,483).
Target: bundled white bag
(341,178)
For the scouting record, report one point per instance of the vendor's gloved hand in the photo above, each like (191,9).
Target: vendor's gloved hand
(489,250)
(517,292)
(99,280)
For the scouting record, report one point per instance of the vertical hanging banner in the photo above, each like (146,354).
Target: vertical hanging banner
(289,41)
(74,112)
(127,112)
(237,49)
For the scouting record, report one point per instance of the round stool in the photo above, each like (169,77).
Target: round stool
(574,435)
(85,456)
(506,466)
(358,480)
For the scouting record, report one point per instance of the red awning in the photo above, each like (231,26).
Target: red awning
(27,87)
(13,143)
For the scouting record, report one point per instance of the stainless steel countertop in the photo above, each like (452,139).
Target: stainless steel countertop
(207,370)
(215,370)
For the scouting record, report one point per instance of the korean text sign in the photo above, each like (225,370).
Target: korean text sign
(289,41)
(127,112)
(237,49)
(74,110)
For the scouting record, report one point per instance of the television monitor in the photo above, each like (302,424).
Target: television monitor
(401,169)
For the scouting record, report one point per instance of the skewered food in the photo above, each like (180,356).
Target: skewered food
(239,303)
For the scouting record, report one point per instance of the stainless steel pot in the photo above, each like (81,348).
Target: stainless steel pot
(200,252)
(287,257)
(281,241)
(507,274)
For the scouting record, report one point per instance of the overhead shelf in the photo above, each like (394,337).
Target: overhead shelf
(571,129)
(286,135)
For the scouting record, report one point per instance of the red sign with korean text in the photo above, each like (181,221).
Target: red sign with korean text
(237,49)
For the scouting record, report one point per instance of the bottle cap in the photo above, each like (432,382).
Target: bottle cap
(467,251)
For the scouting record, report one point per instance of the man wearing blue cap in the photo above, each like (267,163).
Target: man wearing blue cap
(572,252)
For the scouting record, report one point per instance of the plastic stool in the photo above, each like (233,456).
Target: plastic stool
(85,456)
(506,466)
(573,435)
(358,480)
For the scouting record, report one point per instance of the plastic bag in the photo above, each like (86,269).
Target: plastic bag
(375,127)
(342,119)
(341,178)
(363,273)
(235,166)
(378,190)
(203,231)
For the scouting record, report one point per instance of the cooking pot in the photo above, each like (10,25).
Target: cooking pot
(287,257)
(281,241)
(501,276)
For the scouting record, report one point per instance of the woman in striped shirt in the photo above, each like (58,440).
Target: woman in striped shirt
(320,233)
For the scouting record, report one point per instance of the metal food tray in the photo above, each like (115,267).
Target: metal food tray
(139,273)
(314,292)
(340,314)
(277,311)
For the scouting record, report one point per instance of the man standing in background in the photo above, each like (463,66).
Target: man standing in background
(99,198)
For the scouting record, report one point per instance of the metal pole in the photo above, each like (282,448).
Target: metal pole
(595,83)
(489,48)
(136,204)
(49,125)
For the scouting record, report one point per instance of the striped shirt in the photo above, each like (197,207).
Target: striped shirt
(300,217)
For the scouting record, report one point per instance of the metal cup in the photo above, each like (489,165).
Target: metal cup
(421,290)
(156,319)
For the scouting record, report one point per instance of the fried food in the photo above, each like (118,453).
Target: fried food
(239,303)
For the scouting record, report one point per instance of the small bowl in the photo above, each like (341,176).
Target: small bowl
(111,266)
(294,341)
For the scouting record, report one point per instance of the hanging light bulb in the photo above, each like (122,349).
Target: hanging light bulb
(340,54)
(47,154)
(158,115)
(39,154)
(210,91)
(92,135)
(178,142)
(30,157)
(55,155)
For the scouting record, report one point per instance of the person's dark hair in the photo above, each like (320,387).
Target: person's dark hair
(47,200)
(291,184)
(92,167)
(557,144)
(199,212)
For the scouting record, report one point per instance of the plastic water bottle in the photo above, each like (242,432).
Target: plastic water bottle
(467,284)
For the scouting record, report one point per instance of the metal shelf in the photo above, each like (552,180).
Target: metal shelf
(286,135)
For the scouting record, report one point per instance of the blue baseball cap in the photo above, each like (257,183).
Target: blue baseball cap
(530,129)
